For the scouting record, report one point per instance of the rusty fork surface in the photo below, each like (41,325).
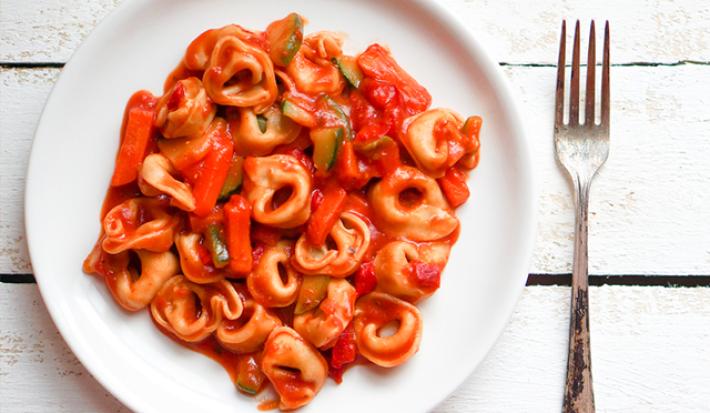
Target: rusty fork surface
(582,148)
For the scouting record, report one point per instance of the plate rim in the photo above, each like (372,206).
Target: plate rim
(509,97)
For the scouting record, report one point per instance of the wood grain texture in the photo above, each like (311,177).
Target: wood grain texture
(647,30)
(648,211)
(633,329)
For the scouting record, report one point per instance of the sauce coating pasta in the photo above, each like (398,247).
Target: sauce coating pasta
(282,206)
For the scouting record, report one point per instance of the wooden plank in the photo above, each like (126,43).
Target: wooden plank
(21,101)
(651,352)
(648,213)
(648,31)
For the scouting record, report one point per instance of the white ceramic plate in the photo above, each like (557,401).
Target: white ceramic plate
(72,160)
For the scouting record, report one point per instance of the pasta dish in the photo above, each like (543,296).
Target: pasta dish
(283,206)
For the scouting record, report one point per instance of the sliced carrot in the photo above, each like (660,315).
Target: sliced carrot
(136,137)
(347,168)
(237,214)
(212,174)
(326,214)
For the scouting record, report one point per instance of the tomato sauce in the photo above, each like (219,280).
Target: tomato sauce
(373,121)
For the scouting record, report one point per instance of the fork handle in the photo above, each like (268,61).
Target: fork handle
(579,397)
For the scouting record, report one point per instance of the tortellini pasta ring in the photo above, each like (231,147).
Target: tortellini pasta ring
(274,283)
(376,312)
(265,176)
(198,53)
(249,139)
(426,140)
(312,69)
(395,272)
(428,217)
(193,268)
(158,173)
(132,288)
(323,325)
(351,238)
(247,333)
(139,223)
(135,291)
(185,110)
(193,311)
(240,75)
(295,368)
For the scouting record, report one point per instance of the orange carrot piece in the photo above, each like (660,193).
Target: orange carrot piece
(212,174)
(237,212)
(347,168)
(137,135)
(326,214)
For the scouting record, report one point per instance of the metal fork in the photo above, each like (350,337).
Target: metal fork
(581,149)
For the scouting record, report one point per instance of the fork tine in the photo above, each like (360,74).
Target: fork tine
(605,79)
(560,89)
(591,69)
(574,82)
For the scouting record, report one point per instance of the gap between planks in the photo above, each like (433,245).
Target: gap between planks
(562,279)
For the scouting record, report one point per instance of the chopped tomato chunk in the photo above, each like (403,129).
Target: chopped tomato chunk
(376,62)
(427,275)
(344,352)
(365,279)
(453,184)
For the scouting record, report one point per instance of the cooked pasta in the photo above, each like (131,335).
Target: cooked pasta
(273,282)
(283,206)
(248,333)
(323,325)
(226,83)
(265,177)
(374,313)
(295,368)
(194,311)
(350,236)
(277,130)
(185,110)
(404,269)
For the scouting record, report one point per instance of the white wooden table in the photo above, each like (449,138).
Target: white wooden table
(650,213)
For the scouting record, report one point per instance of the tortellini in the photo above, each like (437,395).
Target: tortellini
(192,311)
(194,269)
(157,172)
(139,223)
(427,217)
(134,291)
(323,325)
(185,110)
(247,333)
(312,68)
(265,177)
(132,288)
(250,139)
(295,368)
(374,313)
(274,283)
(240,75)
(351,239)
(438,139)
(198,53)
(186,152)
(396,268)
